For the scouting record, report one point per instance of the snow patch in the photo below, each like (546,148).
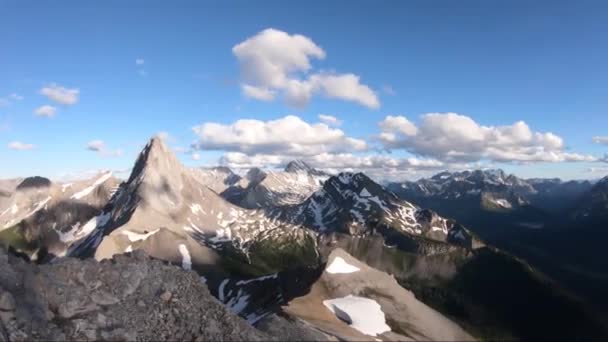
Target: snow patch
(89,189)
(365,193)
(340,265)
(186,260)
(503,203)
(362,314)
(78,232)
(133,236)
(245,282)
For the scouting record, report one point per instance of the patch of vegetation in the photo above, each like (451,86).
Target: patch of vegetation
(269,256)
(14,238)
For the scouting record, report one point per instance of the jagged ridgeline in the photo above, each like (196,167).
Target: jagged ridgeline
(261,243)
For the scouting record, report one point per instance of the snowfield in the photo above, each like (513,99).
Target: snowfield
(339,265)
(361,313)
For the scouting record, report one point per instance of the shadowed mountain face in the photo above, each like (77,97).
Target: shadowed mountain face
(556,226)
(34,182)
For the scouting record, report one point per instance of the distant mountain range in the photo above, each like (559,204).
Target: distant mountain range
(302,243)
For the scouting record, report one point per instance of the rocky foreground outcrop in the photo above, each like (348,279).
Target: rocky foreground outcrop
(130,297)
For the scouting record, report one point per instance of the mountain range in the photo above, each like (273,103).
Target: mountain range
(329,256)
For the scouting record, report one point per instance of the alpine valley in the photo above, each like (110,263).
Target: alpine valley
(301,254)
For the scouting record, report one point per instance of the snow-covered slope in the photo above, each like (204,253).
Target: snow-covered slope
(354,204)
(283,188)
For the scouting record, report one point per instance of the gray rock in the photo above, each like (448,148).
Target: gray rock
(75,299)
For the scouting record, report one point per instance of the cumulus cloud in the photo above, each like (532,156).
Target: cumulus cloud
(330,120)
(262,94)
(275,61)
(601,140)
(453,137)
(289,135)
(337,161)
(20,146)
(46,110)
(195,156)
(99,146)
(61,95)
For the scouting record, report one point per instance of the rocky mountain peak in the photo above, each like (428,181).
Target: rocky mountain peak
(255,175)
(297,165)
(156,158)
(34,182)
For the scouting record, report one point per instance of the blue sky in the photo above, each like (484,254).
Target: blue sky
(492,63)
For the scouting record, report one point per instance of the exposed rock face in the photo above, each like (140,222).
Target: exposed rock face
(34,182)
(164,209)
(126,298)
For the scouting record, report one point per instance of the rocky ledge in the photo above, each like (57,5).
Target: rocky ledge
(130,297)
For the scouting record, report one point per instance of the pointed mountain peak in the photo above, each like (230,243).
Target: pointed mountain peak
(297,165)
(156,156)
(255,174)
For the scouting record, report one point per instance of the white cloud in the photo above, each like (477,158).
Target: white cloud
(20,146)
(601,140)
(46,110)
(337,161)
(274,60)
(597,170)
(344,87)
(99,146)
(139,61)
(262,94)
(8,100)
(269,57)
(330,120)
(61,95)
(457,138)
(289,135)
(195,156)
